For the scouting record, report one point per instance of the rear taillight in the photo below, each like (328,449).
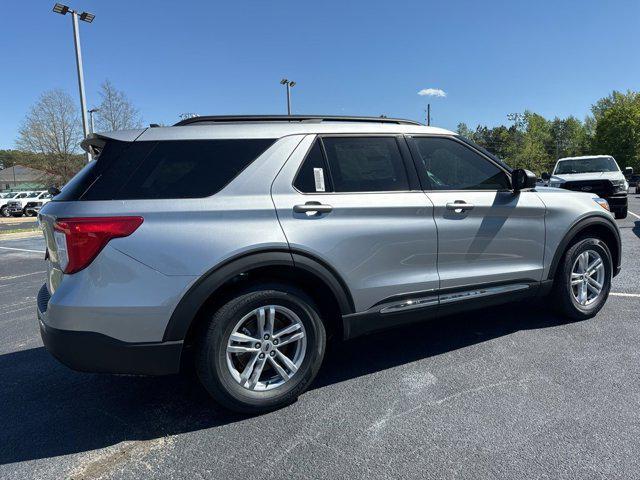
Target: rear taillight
(79,240)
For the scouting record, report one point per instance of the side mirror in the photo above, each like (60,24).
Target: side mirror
(628,171)
(546,177)
(522,179)
(53,191)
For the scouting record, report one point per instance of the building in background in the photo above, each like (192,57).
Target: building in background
(21,178)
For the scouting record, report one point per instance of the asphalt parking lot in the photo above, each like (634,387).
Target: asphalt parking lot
(512,392)
(15,223)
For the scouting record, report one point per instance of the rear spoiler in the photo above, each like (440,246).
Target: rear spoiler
(94,142)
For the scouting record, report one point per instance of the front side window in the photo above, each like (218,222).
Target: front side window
(365,164)
(449,165)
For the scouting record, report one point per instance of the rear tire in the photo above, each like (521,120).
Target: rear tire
(222,365)
(568,297)
(620,214)
(4,211)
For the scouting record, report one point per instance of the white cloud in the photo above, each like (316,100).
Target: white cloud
(432,92)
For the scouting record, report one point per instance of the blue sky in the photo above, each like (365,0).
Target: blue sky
(348,57)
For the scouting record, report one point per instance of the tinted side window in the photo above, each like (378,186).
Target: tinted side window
(312,176)
(449,165)
(191,168)
(113,160)
(165,169)
(116,163)
(365,164)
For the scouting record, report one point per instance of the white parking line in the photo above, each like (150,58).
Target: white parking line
(618,294)
(11,277)
(22,250)
(635,215)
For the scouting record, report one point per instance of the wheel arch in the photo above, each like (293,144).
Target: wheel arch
(598,226)
(240,272)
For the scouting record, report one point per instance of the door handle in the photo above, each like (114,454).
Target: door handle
(316,207)
(459,206)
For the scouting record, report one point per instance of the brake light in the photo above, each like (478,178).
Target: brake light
(80,240)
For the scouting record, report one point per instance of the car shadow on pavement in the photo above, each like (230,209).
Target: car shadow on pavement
(47,410)
(636,228)
(402,345)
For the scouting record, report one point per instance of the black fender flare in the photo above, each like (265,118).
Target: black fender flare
(192,301)
(575,230)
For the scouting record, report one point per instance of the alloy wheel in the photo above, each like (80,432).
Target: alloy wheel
(587,277)
(266,348)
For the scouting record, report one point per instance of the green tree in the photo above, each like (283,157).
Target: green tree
(533,142)
(617,129)
(569,137)
(9,158)
(532,151)
(464,131)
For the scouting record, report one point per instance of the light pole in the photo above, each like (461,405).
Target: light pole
(85,17)
(91,112)
(289,84)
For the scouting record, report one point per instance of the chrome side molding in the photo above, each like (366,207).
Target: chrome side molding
(482,292)
(422,302)
(410,304)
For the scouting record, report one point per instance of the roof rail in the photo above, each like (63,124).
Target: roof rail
(290,118)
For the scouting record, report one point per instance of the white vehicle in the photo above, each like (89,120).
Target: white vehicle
(8,198)
(599,174)
(35,201)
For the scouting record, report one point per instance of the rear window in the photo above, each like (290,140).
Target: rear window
(166,169)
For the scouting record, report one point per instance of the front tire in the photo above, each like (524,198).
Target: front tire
(4,211)
(262,349)
(583,280)
(620,214)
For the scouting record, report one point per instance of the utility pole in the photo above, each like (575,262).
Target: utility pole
(289,84)
(91,112)
(428,110)
(85,17)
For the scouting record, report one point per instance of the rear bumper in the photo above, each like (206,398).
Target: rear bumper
(96,352)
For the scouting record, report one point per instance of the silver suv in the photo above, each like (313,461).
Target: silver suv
(243,243)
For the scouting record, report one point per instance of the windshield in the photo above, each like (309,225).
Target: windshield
(33,195)
(586,165)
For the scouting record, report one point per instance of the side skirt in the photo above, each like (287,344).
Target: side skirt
(430,305)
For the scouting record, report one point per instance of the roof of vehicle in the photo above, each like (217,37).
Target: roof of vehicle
(584,157)
(266,127)
(290,118)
